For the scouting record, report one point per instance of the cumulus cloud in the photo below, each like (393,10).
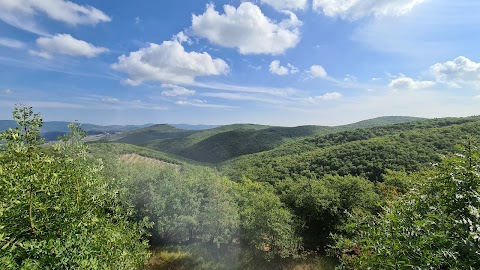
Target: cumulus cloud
(293,69)
(21,13)
(406,83)
(169,63)
(317,71)
(277,69)
(356,9)
(457,73)
(172,90)
(247,29)
(286,4)
(325,97)
(11,43)
(67,45)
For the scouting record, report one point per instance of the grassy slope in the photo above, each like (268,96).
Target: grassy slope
(369,152)
(113,149)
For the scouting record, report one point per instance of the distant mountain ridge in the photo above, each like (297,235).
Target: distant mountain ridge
(52,129)
(205,143)
(222,143)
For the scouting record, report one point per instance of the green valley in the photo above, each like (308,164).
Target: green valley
(241,196)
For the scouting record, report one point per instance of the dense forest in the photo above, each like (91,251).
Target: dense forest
(388,193)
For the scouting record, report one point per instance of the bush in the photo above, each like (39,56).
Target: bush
(434,226)
(56,212)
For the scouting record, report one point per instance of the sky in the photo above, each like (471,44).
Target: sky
(274,62)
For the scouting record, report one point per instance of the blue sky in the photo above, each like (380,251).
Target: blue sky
(277,62)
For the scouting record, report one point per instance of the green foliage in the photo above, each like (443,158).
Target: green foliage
(266,223)
(322,204)
(364,152)
(56,212)
(434,226)
(187,206)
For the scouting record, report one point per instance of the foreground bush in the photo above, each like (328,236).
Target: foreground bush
(56,212)
(434,226)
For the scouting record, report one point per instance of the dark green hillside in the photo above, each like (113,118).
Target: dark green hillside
(231,144)
(144,135)
(226,142)
(364,152)
(176,145)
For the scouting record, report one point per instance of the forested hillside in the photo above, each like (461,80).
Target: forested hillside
(383,197)
(226,142)
(368,152)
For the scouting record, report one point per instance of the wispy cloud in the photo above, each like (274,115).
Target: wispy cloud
(272,91)
(22,13)
(43,104)
(243,97)
(172,90)
(11,43)
(202,104)
(67,45)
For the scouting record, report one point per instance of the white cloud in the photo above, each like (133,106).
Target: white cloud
(40,54)
(272,91)
(350,78)
(317,71)
(67,45)
(11,43)
(286,4)
(325,97)
(458,73)
(247,29)
(201,104)
(293,69)
(21,13)
(406,83)
(173,90)
(356,9)
(243,97)
(168,63)
(110,100)
(277,69)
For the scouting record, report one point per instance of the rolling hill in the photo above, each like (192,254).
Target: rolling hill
(368,152)
(226,142)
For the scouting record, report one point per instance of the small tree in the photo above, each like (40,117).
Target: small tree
(56,212)
(434,226)
(265,223)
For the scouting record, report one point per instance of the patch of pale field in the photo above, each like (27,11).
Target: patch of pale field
(136,158)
